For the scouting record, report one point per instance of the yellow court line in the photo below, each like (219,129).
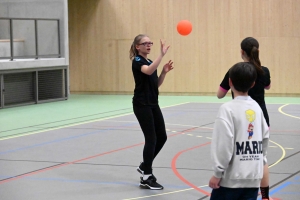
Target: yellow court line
(280,110)
(283,151)
(75,124)
(282,156)
(143,197)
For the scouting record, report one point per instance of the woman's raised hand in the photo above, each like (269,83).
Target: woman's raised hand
(168,67)
(163,48)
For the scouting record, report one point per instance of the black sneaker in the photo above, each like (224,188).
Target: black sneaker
(150,183)
(140,169)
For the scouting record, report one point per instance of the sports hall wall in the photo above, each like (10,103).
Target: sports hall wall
(101,32)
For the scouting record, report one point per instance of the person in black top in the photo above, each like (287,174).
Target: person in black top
(145,104)
(250,53)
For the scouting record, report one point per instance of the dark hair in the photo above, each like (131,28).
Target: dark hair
(250,45)
(242,76)
(133,51)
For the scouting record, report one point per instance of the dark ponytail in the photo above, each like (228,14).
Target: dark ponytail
(250,45)
(133,51)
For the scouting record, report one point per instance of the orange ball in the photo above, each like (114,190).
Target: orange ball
(184,27)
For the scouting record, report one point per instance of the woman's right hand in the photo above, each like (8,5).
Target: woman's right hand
(163,48)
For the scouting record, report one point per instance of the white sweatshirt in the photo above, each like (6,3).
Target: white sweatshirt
(239,143)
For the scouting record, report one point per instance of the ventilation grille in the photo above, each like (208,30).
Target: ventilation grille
(31,87)
(51,84)
(19,88)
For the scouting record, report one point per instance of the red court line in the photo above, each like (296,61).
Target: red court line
(76,161)
(179,175)
(68,163)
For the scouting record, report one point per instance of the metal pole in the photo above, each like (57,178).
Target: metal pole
(11,40)
(58,34)
(36,39)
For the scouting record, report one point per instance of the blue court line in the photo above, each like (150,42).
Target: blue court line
(50,142)
(290,193)
(59,140)
(94,182)
(272,192)
(284,185)
(77,136)
(276,190)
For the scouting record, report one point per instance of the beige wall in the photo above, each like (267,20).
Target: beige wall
(101,32)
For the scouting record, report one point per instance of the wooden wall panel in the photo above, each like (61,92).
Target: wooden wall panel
(101,32)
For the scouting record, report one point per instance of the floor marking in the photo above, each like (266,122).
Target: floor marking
(165,193)
(76,124)
(292,131)
(60,127)
(76,161)
(280,110)
(204,127)
(284,148)
(174,168)
(67,163)
(283,151)
(282,156)
(176,105)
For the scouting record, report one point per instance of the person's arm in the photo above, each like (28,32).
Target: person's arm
(222,146)
(221,92)
(267,78)
(149,69)
(224,86)
(167,67)
(268,87)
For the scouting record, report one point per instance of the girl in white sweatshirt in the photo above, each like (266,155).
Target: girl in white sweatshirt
(240,140)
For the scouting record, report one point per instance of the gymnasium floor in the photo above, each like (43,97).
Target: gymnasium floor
(89,146)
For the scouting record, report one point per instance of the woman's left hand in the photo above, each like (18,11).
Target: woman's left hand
(168,67)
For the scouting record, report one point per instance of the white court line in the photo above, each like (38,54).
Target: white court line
(76,124)
(155,195)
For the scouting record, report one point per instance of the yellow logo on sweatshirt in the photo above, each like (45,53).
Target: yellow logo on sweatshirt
(250,115)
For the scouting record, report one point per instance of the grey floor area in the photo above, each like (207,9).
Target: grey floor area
(98,160)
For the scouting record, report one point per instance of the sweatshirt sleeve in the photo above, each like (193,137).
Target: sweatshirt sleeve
(222,146)
(265,138)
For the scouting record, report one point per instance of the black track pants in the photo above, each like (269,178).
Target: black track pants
(265,112)
(153,126)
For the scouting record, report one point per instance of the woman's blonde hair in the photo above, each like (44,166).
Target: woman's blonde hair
(133,51)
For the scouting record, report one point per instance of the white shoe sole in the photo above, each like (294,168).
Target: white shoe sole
(146,186)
